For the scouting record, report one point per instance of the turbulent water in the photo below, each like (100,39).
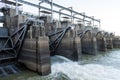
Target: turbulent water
(103,66)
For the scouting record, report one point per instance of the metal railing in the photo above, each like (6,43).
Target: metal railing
(59,6)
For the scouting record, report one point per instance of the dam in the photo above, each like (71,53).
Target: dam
(31,40)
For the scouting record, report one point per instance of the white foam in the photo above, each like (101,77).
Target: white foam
(86,72)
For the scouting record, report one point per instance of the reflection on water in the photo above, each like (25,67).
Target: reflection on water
(103,66)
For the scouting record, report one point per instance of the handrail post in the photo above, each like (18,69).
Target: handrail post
(99,24)
(16,7)
(52,10)
(84,18)
(93,21)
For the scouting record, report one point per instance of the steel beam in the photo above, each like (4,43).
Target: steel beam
(35,5)
(47,1)
(10,2)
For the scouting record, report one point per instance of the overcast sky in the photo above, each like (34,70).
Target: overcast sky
(106,10)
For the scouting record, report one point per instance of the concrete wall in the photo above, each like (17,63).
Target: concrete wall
(36,58)
(70,46)
(109,42)
(101,42)
(89,44)
(116,42)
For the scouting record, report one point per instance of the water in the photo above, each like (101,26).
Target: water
(103,66)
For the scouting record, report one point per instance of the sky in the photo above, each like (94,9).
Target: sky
(106,10)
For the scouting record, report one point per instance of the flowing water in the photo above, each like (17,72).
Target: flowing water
(103,66)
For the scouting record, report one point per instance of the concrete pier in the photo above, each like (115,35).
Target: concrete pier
(36,55)
(88,43)
(101,42)
(69,43)
(109,40)
(116,42)
(70,47)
